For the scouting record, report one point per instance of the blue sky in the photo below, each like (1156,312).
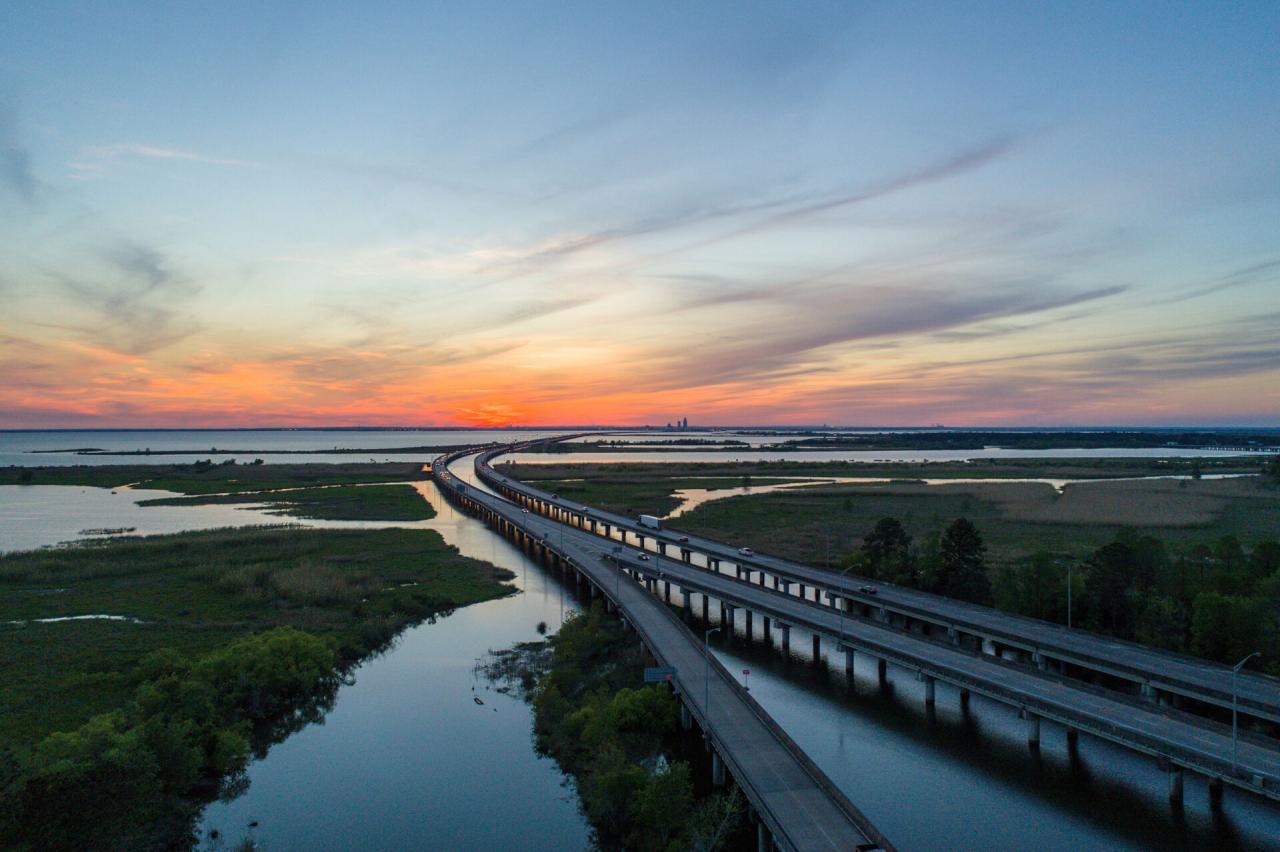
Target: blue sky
(556,212)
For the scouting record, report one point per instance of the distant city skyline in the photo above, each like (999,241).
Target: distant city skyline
(483,214)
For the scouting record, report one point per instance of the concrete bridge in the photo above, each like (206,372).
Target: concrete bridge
(796,805)
(1031,665)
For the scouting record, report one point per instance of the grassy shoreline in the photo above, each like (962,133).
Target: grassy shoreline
(208,478)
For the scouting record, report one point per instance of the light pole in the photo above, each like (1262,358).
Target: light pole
(1234,743)
(1070,563)
(706,679)
(617,565)
(840,608)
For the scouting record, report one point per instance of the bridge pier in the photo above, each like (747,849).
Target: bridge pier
(713,564)
(1215,794)
(1033,729)
(763,843)
(686,555)
(1073,740)
(686,719)
(964,700)
(848,660)
(687,608)
(705,604)
(1175,785)
(730,622)
(1039,660)
(764,630)
(749,636)
(882,670)
(666,591)
(786,637)
(662,548)
(803,592)
(717,768)
(928,691)
(817,649)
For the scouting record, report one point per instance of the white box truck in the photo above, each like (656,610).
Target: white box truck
(651,522)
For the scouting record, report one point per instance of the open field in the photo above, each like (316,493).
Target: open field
(1015,519)
(196,592)
(202,478)
(644,495)
(330,503)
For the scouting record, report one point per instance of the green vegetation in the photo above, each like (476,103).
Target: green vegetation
(333,503)
(205,477)
(116,732)
(1026,468)
(613,734)
(1016,519)
(644,495)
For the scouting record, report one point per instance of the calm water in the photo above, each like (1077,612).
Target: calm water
(18,448)
(407,759)
(651,456)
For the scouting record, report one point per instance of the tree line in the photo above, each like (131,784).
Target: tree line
(1218,600)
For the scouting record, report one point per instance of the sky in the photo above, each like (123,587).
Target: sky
(474,213)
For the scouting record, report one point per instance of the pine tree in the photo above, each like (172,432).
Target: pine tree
(962,570)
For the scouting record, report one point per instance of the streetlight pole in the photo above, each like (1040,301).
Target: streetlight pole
(840,608)
(1234,742)
(706,679)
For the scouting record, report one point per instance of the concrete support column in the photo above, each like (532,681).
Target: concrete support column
(1073,739)
(723,609)
(1038,659)
(928,691)
(686,719)
(763,843)
(705,604)
(882,670)
(717,768)
(765,628)
(1148,692)
(713,563)
(817,649)
(749,614)
(662,548)
(786,637)
(953,635)
(964,699)
(1215,793)
(730,622)
(666,591)
(684,601)
(1175,785)
(848,660)
(1033,730)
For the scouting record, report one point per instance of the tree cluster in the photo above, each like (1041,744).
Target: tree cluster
(952,563)
(614,735)
(136,777)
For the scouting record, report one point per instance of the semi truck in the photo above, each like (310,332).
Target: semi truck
(651,522)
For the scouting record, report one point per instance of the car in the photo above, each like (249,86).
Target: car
(555,496)
(869,590)
(682,539)
(746,551)
(526,511)
(643,557)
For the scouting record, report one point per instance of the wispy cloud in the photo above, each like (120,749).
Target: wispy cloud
(96,161)
(16,175)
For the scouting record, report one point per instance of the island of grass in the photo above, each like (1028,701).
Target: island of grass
(116,731)
(332,503)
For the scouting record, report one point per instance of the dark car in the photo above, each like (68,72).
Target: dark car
(683,539)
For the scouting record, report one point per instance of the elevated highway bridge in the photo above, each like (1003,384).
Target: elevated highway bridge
(797,805)
(1019,661)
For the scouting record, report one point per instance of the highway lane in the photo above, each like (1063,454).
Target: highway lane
(1152,669)
(802,808)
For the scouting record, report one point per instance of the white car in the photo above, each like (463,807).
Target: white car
(746,551)
(643,557)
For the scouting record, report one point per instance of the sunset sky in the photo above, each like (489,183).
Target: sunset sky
(224,214)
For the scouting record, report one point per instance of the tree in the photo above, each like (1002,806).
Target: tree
(1271,471)
(1226,627)
(1108,583)
(887,549)
(962,570)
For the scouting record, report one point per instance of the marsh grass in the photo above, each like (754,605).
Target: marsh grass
(195,592)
